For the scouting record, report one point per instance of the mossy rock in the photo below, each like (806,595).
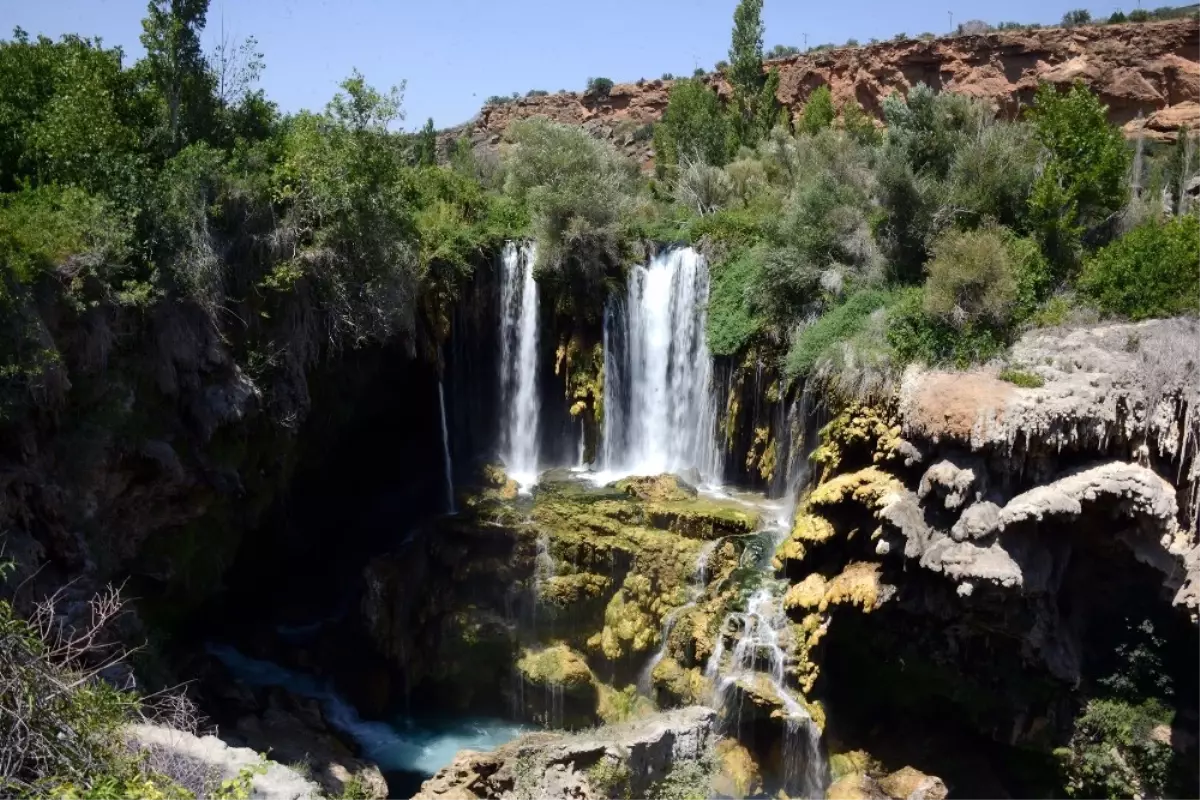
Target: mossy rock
(657,488)
(495,478)
(854,762)
(703,518)
(676,685)
(567,590)
(557,665)
(737,773)
(854,786)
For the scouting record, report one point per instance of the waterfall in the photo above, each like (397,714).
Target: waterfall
(518,362)
(761,634)
(449,466)
(660,412)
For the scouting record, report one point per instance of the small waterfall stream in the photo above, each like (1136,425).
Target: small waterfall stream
(695,592)
(660,412)
(449,465)
(519,362)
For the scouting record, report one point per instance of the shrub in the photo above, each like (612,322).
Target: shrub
(1139,15)
(702,187)
(992,176)
(1113,754)
(667,76)
(914,335)
(1117,17)
(815,341)
(971,279)
(1022,378)
(699,72)
(732,320)
(600,87)
(1150,272)
(818,111)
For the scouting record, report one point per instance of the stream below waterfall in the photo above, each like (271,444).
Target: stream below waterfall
(408,749)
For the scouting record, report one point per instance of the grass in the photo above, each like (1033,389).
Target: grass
(1022,378)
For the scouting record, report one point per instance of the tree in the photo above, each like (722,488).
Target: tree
(236,65)
(425,145)
(1083,180)
(171,35)
(1149,272)
(600,87)
(693,128)
(818,111)
(1117,17)
(755,107)
(1078,16)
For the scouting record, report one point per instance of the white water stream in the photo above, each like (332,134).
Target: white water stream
(660,411)
(449,465)
(519,363)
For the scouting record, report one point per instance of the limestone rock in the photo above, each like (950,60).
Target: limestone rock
(657,488)
(737,773)
(912,784)
(957,482)
(639,754)
(276,783)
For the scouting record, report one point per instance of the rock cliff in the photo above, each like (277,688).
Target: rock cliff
(1148,75)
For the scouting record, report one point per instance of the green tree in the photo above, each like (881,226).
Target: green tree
(1075,17)
(1153,271)
(818,111)
(425,145)
(755,106)
(171,35)
(1083,179)
(693,128)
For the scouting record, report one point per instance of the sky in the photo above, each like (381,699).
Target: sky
(453,54)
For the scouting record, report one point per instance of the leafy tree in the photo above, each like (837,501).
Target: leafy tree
(1083,179)
(577,188)
(176,65)
(992,176)
(818,111)
(693,128)
(1075,17)
(1117,17)
(755,106)
(859,125)
(1139,15)
(1153,271)
(600,87)
(425,145)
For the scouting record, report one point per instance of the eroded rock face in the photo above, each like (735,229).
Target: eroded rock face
(1016,537)
(1148,69)
(618,761)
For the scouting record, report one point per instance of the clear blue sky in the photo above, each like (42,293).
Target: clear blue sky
(455,53)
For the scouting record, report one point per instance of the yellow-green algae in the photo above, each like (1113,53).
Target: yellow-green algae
(556,665)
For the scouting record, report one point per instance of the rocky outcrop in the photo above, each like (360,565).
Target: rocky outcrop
(626,760)
(1148,75)
(178,751)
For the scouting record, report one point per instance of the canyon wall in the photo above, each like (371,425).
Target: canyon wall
(1148,74)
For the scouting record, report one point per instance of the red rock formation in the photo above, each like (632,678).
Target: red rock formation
(1149,69)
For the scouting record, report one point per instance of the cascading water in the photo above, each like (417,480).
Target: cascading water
(449,465)
(519,363)
(695,592)
(660,411)
(762,639)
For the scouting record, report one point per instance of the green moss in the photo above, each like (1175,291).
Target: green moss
(557,665)
(609,778)
(1022,378)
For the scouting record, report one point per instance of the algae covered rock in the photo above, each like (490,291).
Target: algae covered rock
(557,665)
(912,784)
(737,773)
(677,685)
(657,488)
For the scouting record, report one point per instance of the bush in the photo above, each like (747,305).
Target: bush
(703,188)
(971,279)
(992,176)
(732,320)
(1022,378)
(914,335)
(600,87)
(818,111)
(839,325)
(1113,754)
(1150,272)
